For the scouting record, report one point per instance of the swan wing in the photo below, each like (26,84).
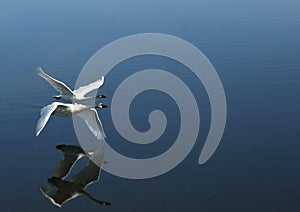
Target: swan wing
(64,165)
(71,153)
(57,85)
(87,175)
(56,195)
(45,115)
(90,173)
(83,90)
(92,120)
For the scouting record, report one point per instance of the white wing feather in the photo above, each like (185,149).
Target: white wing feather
(92,120)
(83,90)
(91,172)
(57,85)
(45,115)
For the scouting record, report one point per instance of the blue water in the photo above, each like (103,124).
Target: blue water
(253,45)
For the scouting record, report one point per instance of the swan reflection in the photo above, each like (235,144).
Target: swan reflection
(58,190)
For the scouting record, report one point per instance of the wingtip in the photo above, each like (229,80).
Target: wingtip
(101,137)
(39,70)
(102,79)
(37,133)
(104,134)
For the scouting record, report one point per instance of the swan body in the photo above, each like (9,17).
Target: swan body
(66,94)
(87,113)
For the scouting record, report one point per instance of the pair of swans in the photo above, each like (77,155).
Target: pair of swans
(58,190)
(87,113)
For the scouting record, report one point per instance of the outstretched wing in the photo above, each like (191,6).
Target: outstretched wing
(92,120)
(57,85)
(71,153)
(83,90)
(64,165)
(56,195)
(91,172)
(45,115)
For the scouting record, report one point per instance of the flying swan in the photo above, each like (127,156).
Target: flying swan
(87,113)
(66,94)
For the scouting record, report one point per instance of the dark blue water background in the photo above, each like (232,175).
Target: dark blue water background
(255,48)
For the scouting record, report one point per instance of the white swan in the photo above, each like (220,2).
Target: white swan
(87,113)
(66,94)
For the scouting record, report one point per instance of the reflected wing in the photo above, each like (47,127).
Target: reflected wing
(91,172)
(92,120)
(64,166)
(56,195)
(57,85)
(87,175)
(45,115)
(70,149)
(83,90)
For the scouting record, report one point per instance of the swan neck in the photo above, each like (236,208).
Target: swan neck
(86,98)
(85,108)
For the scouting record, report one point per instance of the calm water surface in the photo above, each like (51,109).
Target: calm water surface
(255,48)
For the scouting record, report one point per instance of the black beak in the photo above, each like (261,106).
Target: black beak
(103,106)
(101,96)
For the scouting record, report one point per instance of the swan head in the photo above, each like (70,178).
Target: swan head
(100,105)
(57,97)
(100,96)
